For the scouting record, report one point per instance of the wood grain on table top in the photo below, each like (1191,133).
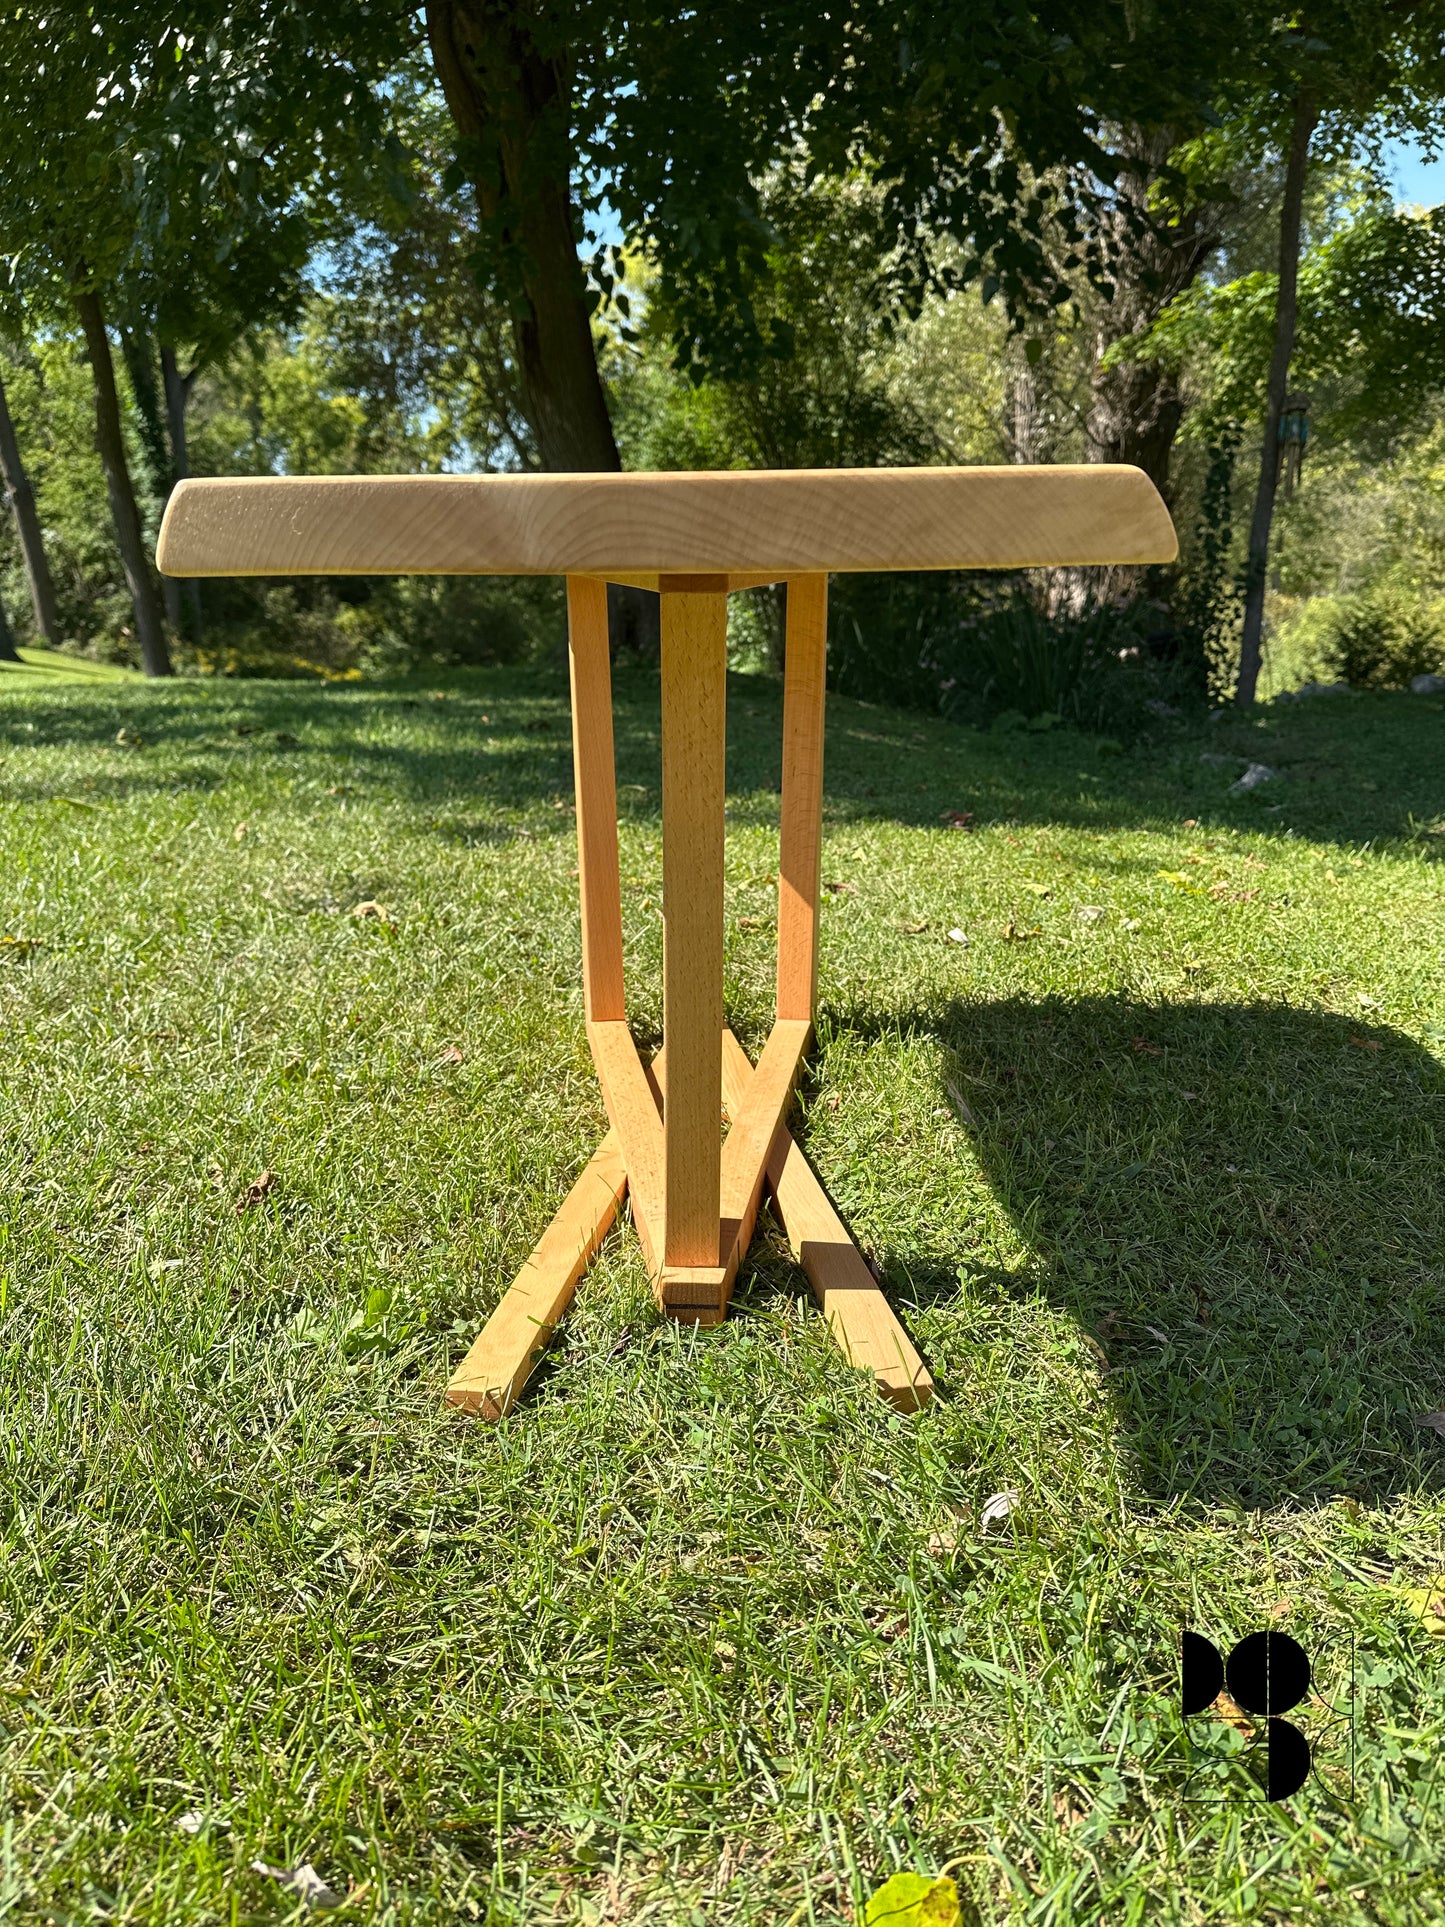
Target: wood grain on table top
(758,524)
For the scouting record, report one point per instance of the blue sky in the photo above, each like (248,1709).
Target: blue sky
(1417,181)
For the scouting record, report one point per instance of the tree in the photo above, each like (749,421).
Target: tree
(21,497)
(153,141)
(984,127)
(1339,69)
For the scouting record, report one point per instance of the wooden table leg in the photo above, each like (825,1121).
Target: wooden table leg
(859,1316)
(595,776)
(800,833)
(490,1378)
(694,697)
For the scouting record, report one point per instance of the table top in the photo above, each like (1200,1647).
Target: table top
(747,526)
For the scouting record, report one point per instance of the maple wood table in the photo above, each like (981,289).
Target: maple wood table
(695,538)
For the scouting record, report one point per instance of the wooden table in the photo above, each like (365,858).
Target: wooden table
(695,538)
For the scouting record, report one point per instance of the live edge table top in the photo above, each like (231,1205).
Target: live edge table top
(725,529)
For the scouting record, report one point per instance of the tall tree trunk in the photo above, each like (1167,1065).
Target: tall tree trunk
(1306,114)
(8,651)
(178,394)
(150,626)
(1135,407)
(510,96)
(21,497)
(140,364)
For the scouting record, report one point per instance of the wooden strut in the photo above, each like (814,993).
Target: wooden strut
(695,1195)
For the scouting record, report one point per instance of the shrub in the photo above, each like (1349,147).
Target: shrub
(1101,667)
(1382,637)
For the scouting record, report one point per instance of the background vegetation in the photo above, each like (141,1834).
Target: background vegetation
(342,309)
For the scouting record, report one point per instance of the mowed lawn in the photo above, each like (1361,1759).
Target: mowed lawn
(1132,1091)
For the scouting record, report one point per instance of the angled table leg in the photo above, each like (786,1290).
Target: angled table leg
(490,1378)
(859,1316)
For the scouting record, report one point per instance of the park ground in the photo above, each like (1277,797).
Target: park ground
(1131,1089)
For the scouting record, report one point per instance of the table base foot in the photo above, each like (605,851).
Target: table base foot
(491,1377)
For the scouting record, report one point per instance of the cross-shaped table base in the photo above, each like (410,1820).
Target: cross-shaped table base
(695,1195)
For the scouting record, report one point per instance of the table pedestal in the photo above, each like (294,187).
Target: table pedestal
(694,1192)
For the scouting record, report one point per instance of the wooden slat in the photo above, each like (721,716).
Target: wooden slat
(694,696)
(758,1118)
(858,1315)
(800,833)
(632,1113)
(767,524)
(595,773)
(756,1122)
(490,1378)
(697,1294)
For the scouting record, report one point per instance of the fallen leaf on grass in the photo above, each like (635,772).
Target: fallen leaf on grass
(1231,1711)
(1367,1043)
(303,1880)
(372,909)
(129,739)
(256,1191)
(957,936)
(841,889)
(1433,1421)
(338,789)
(1426,1602)
(452,1055)
(752,923)
(912,929)
(1038,889)
(239,832)
(958,819)
(1144,1047)
(1020,933)
(998,1507)
(1090,912)
(914,1900)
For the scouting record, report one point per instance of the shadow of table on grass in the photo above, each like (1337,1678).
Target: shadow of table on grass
(1243,1205)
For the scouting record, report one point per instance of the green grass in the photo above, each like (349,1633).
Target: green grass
(50,666)
(704,1632)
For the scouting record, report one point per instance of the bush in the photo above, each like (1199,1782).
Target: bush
(369,626)
(1102,667)
(982,648)
(1383,637)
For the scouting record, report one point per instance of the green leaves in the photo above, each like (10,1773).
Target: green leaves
(914,1900)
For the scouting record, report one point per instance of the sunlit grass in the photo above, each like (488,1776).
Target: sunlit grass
(1132,1091)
